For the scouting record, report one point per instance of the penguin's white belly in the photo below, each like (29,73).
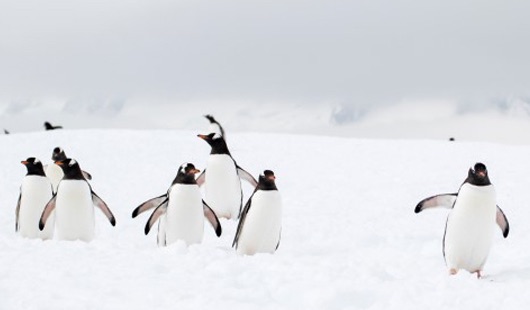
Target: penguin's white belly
(222,186)
(55,174)
(470,228)
(74,211)
(184,218)
(36,193)
(262,227)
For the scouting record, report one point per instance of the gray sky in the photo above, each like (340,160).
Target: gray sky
(355,52)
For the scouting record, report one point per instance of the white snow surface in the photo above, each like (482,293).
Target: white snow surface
(350,238)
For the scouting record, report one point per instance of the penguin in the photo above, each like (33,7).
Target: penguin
(260,225)
(215,127)
(469,227)
(49,126)
(73,204)
(35,192)
(181,211)
(54,172)
(222,179)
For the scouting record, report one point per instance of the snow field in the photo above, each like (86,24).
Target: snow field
(350,238)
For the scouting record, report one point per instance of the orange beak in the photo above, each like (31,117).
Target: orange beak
(204,137)
(24,162)
(59,163)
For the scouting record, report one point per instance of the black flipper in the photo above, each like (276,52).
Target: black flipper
(279,239)
(242,220)
(161,237)
(50,206)
(243,174)
(17,211)
(160,210)
(87,175)
(212,218)
(442,200)
(98,202)
(149,204)
(502,221)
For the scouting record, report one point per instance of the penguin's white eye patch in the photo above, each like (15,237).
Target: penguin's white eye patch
(37,161)
(72,162)
(217,135)
(183,167)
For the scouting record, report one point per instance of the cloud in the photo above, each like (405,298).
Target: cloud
(362,52)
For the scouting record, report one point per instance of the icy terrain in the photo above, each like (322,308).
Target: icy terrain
(350,238)
(505,121)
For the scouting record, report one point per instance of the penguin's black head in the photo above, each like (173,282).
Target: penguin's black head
(71,169)
(478,175)
(188,169)
(209,137)
(58,154)
(34,166)
(186,174)
(217,142)
(267,181)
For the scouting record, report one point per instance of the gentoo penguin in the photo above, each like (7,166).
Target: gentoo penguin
(181,210)
(73,204)
(222,179)
(49,126)
(469,228)
(260,226)
(35,192)
(55,173)
(215,127)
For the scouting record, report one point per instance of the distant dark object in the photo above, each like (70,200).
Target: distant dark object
(49,126)
(6,131)
(451,139)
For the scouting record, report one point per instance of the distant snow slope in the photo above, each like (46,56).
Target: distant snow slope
(505,121)
(350,238)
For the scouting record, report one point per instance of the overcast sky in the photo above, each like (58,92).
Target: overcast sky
(355,52)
